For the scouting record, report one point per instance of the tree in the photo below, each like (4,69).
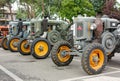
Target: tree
(97,5)
(7,3)
(35,7)
(29,7)
(74,7)
(110,9)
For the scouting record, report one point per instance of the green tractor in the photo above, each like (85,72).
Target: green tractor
(25,43)
(95,39)
(11,41)
(39,44)
(41,47)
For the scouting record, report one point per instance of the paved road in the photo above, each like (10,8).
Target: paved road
(15,67)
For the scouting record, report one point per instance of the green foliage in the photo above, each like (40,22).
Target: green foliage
(2,3)
(74,7)
(97,5)
(5,2)
(63,8)
(21,14)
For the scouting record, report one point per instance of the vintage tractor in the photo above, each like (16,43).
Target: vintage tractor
(12,32)
(11,41)
(3,28)
(41,45)
(92,46)
(57,31)
(25,43)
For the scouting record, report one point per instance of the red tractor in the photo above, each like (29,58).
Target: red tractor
(4,25)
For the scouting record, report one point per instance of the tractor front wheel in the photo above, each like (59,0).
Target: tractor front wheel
(40,48)
(4,43)
(60,53)
(24,47)
(13,44)
(94,58)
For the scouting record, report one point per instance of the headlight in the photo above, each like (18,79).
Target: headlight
(78,47)
(93,26)
(113,24)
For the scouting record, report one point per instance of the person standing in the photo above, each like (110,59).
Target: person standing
(20,25)
(44,25)
(99,30)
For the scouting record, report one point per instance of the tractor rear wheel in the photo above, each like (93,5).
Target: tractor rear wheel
(24,47)
(116,50)
(94,58)
(53,37)
(13,44)
(40,48)
(59,55)
(4,43)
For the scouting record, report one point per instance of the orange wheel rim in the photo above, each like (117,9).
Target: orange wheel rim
(12,42)
(66,57)
(96,59)
(41,48)
(27,49)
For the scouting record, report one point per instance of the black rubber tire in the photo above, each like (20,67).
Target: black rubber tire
(105,36)
(34,54)
(85,58)
(51,34)
(20,50)
(4,41)
(9,47)
(54,55)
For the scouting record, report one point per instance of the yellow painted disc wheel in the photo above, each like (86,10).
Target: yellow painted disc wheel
(96,59)
(24,49)
(60,53)
(40,48)
(4,43)
(63,58)
(13,44)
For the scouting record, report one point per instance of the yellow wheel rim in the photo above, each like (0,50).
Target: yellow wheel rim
(66,57)
(41,48)
(5,43)
(12,42)
(96,59)
(27,49)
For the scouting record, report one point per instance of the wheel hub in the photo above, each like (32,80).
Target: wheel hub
(54,38)
(15,44)
(41,48)
(63,53)
(26,46)
(95,59)
(109,43)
